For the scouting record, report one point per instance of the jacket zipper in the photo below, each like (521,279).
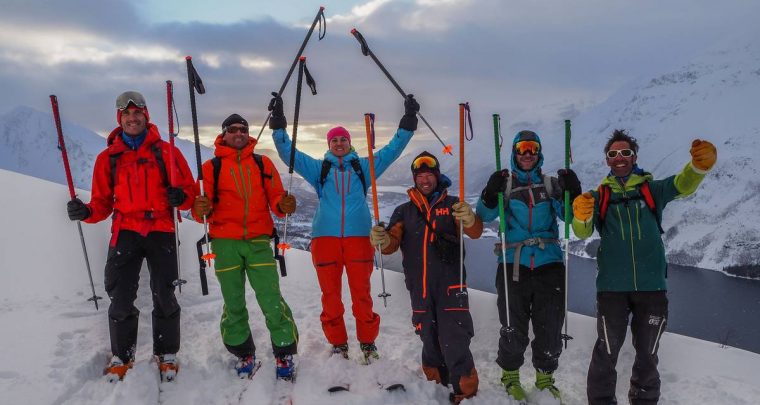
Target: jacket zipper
(342,198)
(244,193)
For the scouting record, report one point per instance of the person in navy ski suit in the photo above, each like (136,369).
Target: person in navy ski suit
(342,222)
(534,261)
(440,309)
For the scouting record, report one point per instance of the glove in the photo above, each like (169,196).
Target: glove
(287,204)
(379,237)
(703,155)
(463,213)
(496,185)
(277,120)
(583,207)
(409,120)
(568,181)
(201,206)
(77,210)
(176,196)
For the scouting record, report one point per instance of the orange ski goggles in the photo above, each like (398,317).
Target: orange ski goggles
(530,147)
(426,161)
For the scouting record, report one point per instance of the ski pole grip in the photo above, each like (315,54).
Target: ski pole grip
(362,42)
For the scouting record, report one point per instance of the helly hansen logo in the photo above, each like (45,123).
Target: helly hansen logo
(441,211)
(655,320)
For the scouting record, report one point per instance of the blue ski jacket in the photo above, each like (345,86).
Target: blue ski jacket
(528,217)
(342,209)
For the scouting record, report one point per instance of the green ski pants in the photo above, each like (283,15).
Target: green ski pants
(236,259)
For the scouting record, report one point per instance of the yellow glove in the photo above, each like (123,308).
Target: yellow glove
(201,206)
(287,204)
(703,155)
(583,207)
(378,236)
(463,213)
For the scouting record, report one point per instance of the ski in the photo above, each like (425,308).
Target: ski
(339,388)
(256,367)
(393,387)
(387,387)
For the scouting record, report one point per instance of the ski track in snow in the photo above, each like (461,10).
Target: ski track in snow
(55,344)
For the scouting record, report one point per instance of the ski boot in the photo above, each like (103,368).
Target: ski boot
(285,367)
(245,366)
(369,350)
(511,381)
(340,350)
(545,381)
(167,366)
(116,369)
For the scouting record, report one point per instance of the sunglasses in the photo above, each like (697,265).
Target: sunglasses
(234,130)
(130,97)
(611,154)
(530,147)
(424,160)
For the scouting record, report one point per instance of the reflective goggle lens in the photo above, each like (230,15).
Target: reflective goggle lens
(424,160)
(531,147)
(624,152)
(130,97)
(234,130)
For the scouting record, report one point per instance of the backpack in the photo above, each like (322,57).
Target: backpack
(605,192)
(156,148)
(326,165)
(217,163)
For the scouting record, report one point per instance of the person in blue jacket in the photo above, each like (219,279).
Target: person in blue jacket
(342,223)
(535,269)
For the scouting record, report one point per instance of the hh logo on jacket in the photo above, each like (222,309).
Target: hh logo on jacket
(441,211)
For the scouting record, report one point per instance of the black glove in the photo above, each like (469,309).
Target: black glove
(496,185)
(77,210)
(409,120)
(176,196)
(277,120)
(568,181)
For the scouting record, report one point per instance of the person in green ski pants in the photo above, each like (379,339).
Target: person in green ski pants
(241,189)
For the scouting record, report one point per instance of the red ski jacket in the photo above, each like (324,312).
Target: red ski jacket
(136,192)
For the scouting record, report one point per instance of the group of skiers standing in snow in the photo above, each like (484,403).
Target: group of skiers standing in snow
(241,191)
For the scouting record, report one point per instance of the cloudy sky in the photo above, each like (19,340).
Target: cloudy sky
(528,60)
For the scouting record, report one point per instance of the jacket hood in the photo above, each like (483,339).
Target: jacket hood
(347,158)
(117,145)
(533,174)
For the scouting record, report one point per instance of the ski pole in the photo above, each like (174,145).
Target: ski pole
(502,222)
(369,124)
(169,106)
(301,63)
(461,198)
(568,158)
(319,18)
(70,182)
(368,52)
(194,82)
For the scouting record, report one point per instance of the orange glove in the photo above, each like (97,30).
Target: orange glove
(201,206)
(287,204)
(703,154)
(583,207)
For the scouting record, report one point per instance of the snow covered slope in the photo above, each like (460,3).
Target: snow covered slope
(55,344)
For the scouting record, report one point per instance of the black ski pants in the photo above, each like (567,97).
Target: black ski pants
(443,322)
(649,310)
(538,297)
(122,276)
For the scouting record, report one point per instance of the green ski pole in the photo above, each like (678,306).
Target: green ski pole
(502,223)
(565,336)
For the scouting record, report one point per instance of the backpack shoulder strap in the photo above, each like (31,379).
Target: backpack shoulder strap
(359,172)
(216,162)
(604,202)
(324,172)
(260,163)
(156,148)
(646,194)
(548,185)
(113,160)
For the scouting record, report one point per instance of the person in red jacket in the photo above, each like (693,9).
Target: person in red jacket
(241,189)
(131,180)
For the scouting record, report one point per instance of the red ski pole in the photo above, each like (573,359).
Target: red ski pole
(369,120)
(172,177)
(70,182)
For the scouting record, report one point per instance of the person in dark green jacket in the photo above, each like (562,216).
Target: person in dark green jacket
(627,210)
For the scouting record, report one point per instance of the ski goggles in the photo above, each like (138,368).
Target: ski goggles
(130,97)
(428,161)
(612,154)
(234,130)
(530,147)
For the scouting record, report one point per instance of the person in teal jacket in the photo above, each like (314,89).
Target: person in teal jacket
(342,222)
(627,210)
(535,270)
